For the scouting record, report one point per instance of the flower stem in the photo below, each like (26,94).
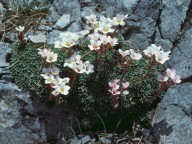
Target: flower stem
(86,54)
(125,70)
(73,80)
(148,72)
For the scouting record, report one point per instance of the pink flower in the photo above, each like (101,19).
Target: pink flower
(114,92)
(177,79)
(170,73)
(164,79)
(113,85)
(134,55)
(125,85)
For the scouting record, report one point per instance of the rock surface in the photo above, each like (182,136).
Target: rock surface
(62,22)
(5,49)
(173,119)
(18,121)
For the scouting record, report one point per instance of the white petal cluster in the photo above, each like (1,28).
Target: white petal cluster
(58,84)
(160,56)
(133,55)
(67,40)
(105,25)
(97,40)
(48,55)
(170,75)
(78,65)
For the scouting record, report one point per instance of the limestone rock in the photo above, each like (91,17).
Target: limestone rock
(5,49)
(172,16)
(62,22)
(172,121)
(71,7)
(181,57)
(18,121)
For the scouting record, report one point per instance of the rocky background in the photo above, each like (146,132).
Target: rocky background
(168,23)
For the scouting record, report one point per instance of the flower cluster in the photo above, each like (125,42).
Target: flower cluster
(104,31)
(67,40)
(160,56)
(78,65)
(170,75)
(114,87)
(48,55)
(58,84)
(133,55)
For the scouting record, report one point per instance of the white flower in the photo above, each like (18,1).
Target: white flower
(119,19)
(95,36)
(170,73)
(134,55)
(106,28)
(58,81)
(96,26)
(79,68)
(48,78)
(44,53)
(52,57)
(67,42)
(83,33)
(76,57)
(92,18)
(162,56)
(105,39)
(151,50)
(54,70)
(95,45)
(55,92)
(58,44)
(113,41)
(88,67)
(104,20)
(63,89)
(69,62)
(124,53)
(20,28)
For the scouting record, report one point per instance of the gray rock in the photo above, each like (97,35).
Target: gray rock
(62,22)
(71,7)
(18,121)
(181,57)
(172,16)
(166,44)
(83,140)
(172,122)
(44,28)
(1,9)
(75,27)
(5,49)
(53,16)
(53,36)
(40,38)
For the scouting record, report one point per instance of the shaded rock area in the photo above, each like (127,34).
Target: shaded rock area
(167,23)
(176,111)
(19,123)
(5,49)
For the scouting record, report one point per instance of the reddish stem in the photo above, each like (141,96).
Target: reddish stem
(149,70)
